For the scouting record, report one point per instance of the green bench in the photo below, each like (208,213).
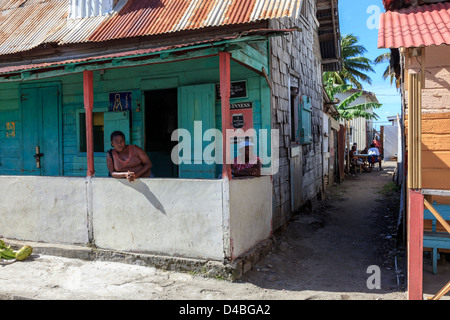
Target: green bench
(434,239)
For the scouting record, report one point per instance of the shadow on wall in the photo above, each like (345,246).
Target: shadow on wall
(141,187)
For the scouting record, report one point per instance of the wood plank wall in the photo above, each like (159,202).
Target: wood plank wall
(435,119)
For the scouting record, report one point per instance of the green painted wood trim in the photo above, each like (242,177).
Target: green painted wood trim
(251,58)
(193,52)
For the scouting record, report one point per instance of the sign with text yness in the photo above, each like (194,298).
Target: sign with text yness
(242,115)
(119,101)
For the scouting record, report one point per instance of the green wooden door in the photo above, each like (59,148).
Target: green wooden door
(41,130)
(196,104)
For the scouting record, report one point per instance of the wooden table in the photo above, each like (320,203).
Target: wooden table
(365,159)
(363,156)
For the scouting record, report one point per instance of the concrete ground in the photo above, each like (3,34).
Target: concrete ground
(328,254)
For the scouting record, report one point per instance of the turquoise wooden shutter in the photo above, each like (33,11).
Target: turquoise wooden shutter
(305,125)
(41,128)
(196,103)
(116,121)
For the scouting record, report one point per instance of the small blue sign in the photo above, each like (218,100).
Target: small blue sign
(119,101)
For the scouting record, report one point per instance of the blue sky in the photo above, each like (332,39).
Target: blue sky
(360,18)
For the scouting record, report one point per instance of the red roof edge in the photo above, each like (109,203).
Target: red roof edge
(415,26)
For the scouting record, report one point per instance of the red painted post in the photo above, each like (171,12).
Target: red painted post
(415,245)
(88,87)
(225,89)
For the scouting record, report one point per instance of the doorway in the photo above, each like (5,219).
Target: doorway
(161,119)
(41,154)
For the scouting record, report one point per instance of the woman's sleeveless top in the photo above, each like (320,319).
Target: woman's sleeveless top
(132,163)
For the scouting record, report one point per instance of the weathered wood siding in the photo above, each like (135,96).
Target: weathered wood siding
(296,57)
(435,119)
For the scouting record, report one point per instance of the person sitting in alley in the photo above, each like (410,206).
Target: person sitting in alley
(247,163)
(377,143)
(127,161)
(374,155)
(356,161)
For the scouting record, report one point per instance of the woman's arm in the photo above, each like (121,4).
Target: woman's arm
(146,163)
(118,175)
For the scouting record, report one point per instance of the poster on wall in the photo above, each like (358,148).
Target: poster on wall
(10,129)
(238,89)
(119,101)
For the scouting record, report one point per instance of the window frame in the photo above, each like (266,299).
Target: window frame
(78,130)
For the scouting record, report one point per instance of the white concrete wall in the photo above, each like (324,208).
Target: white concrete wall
(250,213)
(167,216)
(205,219)
(47,209)
(390,143)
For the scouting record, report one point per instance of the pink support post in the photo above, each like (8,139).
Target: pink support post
(415,245)
(225,89)
(88,87)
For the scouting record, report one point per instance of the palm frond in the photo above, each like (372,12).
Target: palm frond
(344,104)
(355,65)
(382,58)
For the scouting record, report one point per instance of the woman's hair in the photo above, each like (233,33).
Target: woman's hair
(117,134)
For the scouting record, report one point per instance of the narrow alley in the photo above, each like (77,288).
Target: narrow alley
(329,252)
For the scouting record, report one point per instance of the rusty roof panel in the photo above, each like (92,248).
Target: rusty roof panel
(152,17)
(25,27)
(75,30)
(26,24)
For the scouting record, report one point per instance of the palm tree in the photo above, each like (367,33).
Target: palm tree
(389,72)
(354,64)
(346,110)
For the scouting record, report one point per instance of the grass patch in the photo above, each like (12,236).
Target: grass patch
(390,187)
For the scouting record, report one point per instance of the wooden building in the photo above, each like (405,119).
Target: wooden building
(421,61)
(73,71)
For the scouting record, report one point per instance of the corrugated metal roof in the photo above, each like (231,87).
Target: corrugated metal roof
(75,30)
(26,24)
(152,17)
(415,26)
